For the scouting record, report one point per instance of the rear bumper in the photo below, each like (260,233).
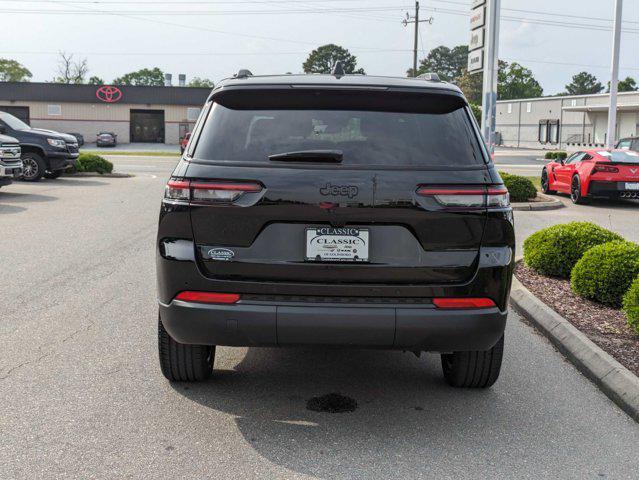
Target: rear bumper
(600,188)
(415,327)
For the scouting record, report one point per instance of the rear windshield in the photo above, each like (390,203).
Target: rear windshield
(621,156)
(364,137)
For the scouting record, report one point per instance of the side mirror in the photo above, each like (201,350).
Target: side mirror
(562,161)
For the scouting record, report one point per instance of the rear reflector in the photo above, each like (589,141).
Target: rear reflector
(207,297)
(467,196)
(463,302)
(186,191)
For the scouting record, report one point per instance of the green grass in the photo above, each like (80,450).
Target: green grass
(132,153)
(536,181)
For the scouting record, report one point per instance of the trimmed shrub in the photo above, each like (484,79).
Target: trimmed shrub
(520,188)
(605,272)
(89,162)
(555,155)
(555,250)
(631,305)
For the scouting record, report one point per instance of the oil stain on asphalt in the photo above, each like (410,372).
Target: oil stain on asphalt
(332,403)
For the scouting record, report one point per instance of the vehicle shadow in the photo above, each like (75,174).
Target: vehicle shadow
(16,197)
(9,209)
(71,182)
(621,203)
(404,409)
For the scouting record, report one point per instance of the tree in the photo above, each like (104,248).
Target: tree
(70,71)
(516,81)
(447,63)
(628,84)
(201,82)
(12,71)
(95,81)
(471,84)
(145,76)
(584,83)
(322,59)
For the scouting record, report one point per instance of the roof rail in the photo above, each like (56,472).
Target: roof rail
(430,76)
(243,73)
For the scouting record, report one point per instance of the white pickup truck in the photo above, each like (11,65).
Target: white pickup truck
(10,162)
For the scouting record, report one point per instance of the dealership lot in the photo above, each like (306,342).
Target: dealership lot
(83,395)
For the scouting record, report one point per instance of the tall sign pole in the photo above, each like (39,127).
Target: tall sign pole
(483,57)
(614,77)
(415,19)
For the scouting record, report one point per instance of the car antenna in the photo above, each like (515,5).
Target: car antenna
(338,69)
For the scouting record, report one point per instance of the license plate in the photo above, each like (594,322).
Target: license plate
(328,244)
(632,186)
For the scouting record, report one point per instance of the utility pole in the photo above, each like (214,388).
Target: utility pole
(415,19)
(614,76)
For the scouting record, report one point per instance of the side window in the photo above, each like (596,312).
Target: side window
(197,128)
(624,145)
(635,145)
(576,158)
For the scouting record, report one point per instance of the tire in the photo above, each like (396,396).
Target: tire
(545,182)
(54,174)
(575,191)
(184,363)
(33,167)
(476,369)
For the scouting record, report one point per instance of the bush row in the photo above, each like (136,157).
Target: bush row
(601,265)
(556,155)
(520,188)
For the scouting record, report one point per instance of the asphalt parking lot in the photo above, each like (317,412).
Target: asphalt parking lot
(83,396)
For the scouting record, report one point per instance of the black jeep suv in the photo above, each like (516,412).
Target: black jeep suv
(351,211)
(44,152)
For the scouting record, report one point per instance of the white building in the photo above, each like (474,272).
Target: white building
(564,121)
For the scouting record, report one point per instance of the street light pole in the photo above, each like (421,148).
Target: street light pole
(415,19)
(614,76)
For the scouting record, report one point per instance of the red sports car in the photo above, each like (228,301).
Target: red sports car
(594,173)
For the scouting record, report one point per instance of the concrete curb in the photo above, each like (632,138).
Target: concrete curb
(612,378)
(101,175)
(548,203)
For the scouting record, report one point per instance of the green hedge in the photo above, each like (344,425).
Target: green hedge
(556,155)
(605,272)
(631,305)
(89,162)
(555,250)
(520,188)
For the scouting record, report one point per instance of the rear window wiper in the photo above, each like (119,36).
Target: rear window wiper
(308,156)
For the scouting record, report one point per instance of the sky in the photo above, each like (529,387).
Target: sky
(215,38)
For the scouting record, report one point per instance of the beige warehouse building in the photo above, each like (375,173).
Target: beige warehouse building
(564,121)
(135,114)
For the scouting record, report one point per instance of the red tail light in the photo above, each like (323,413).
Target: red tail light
(187,191)
(207,297)
(467,196)
(602,167)
(463,302)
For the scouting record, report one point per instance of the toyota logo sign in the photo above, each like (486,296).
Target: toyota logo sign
(108,94)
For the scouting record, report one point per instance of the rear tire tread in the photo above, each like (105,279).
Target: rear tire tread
(180,362)
(476,369)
